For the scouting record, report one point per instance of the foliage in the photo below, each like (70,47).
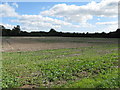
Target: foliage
(16,32)
(86,67)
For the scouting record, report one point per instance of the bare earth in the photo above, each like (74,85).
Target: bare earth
(13,44)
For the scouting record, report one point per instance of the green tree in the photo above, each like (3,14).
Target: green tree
(16,30)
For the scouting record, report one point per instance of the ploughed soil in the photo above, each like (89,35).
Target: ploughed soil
(13,44)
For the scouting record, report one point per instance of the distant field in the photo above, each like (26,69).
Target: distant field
(12,44)
(60,62)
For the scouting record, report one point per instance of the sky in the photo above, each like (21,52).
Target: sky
(62,16)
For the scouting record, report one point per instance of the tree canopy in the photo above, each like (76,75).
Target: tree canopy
(16,31)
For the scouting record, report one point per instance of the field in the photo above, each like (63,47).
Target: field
(11,44)
(59,62)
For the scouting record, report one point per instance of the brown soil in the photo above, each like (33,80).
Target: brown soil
(29,86)
(14,44)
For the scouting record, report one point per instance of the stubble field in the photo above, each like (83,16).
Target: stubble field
(59,62)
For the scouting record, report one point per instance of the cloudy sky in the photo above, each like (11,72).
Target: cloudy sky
(63,16)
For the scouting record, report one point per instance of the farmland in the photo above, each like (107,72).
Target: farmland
(59,62)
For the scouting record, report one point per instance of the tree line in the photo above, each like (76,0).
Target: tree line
(16,31)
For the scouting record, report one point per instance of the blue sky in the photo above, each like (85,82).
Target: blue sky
(62,16)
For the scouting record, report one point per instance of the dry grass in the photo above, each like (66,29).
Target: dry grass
(12,44)
(39,43)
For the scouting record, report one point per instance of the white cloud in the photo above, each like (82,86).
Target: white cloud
(74,18)
(98,19)
(69,12)
(15,4)
(110,28)
(107,26)
(81,14)
(107,23)
(7,11)
(38,22)
(7,26)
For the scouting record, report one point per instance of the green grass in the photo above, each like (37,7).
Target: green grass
(86,67)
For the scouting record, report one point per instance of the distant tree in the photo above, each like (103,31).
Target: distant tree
(103,33)
(87,33)
(118,31)
(16,30)
(52,30)
(2,27)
